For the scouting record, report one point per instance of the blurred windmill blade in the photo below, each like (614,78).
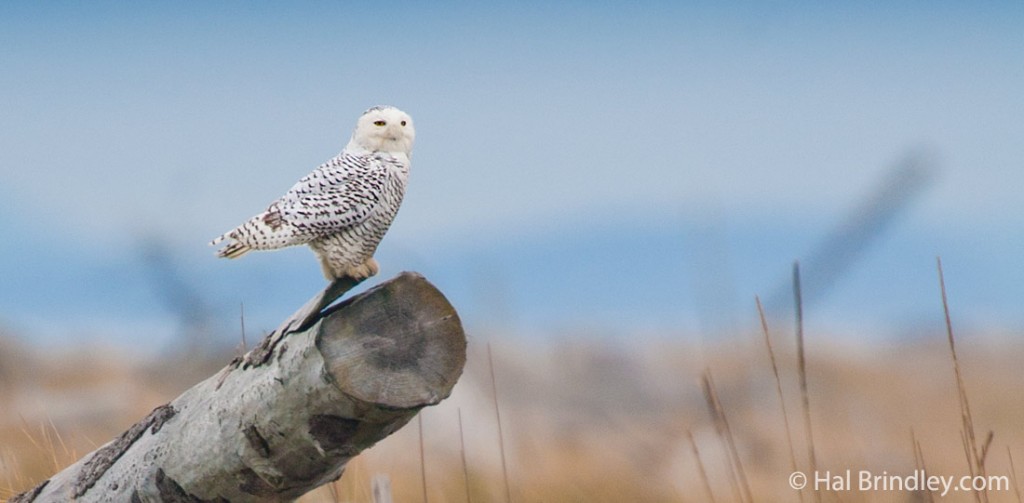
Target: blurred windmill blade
(180,296)
(713,285)
(868,221)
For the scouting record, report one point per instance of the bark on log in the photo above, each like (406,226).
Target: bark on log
(288,417)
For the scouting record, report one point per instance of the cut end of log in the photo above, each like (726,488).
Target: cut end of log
(399,345)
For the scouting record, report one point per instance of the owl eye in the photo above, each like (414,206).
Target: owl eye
(379,123)
(403,123)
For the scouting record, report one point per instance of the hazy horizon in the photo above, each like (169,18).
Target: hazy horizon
(592,169)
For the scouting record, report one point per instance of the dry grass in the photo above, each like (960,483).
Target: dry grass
(582,421)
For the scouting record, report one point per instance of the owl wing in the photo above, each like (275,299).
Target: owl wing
(339,194)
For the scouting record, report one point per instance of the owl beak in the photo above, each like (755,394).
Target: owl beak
(394,133)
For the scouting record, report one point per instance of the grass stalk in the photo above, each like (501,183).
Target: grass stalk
(802,369)
(975,456)
(1013,475)
(462,452)
(919,464)
(778,390)
(241,316)
(423,459)
(501,435)
(700,466)
(725,433)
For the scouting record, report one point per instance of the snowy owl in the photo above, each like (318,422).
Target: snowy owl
(343,208)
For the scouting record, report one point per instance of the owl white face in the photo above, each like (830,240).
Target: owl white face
(385,129)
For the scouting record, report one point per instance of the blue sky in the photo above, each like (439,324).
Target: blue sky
(557,146)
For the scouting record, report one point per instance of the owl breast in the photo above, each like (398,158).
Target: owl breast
(353,246)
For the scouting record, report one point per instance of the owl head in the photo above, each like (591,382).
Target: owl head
(384,129)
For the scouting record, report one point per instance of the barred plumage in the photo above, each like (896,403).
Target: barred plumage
(343,208)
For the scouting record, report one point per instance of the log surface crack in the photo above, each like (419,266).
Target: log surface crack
(105,457)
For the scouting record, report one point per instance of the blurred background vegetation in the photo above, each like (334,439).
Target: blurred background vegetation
(600,190)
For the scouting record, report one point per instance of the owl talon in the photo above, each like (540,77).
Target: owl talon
(366,270)
(374,267)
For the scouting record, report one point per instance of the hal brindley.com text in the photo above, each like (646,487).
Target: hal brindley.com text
(917,480)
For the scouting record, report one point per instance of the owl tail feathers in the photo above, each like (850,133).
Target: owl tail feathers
(234,249)
(265,231)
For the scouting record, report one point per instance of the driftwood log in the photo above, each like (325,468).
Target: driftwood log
(288,416)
